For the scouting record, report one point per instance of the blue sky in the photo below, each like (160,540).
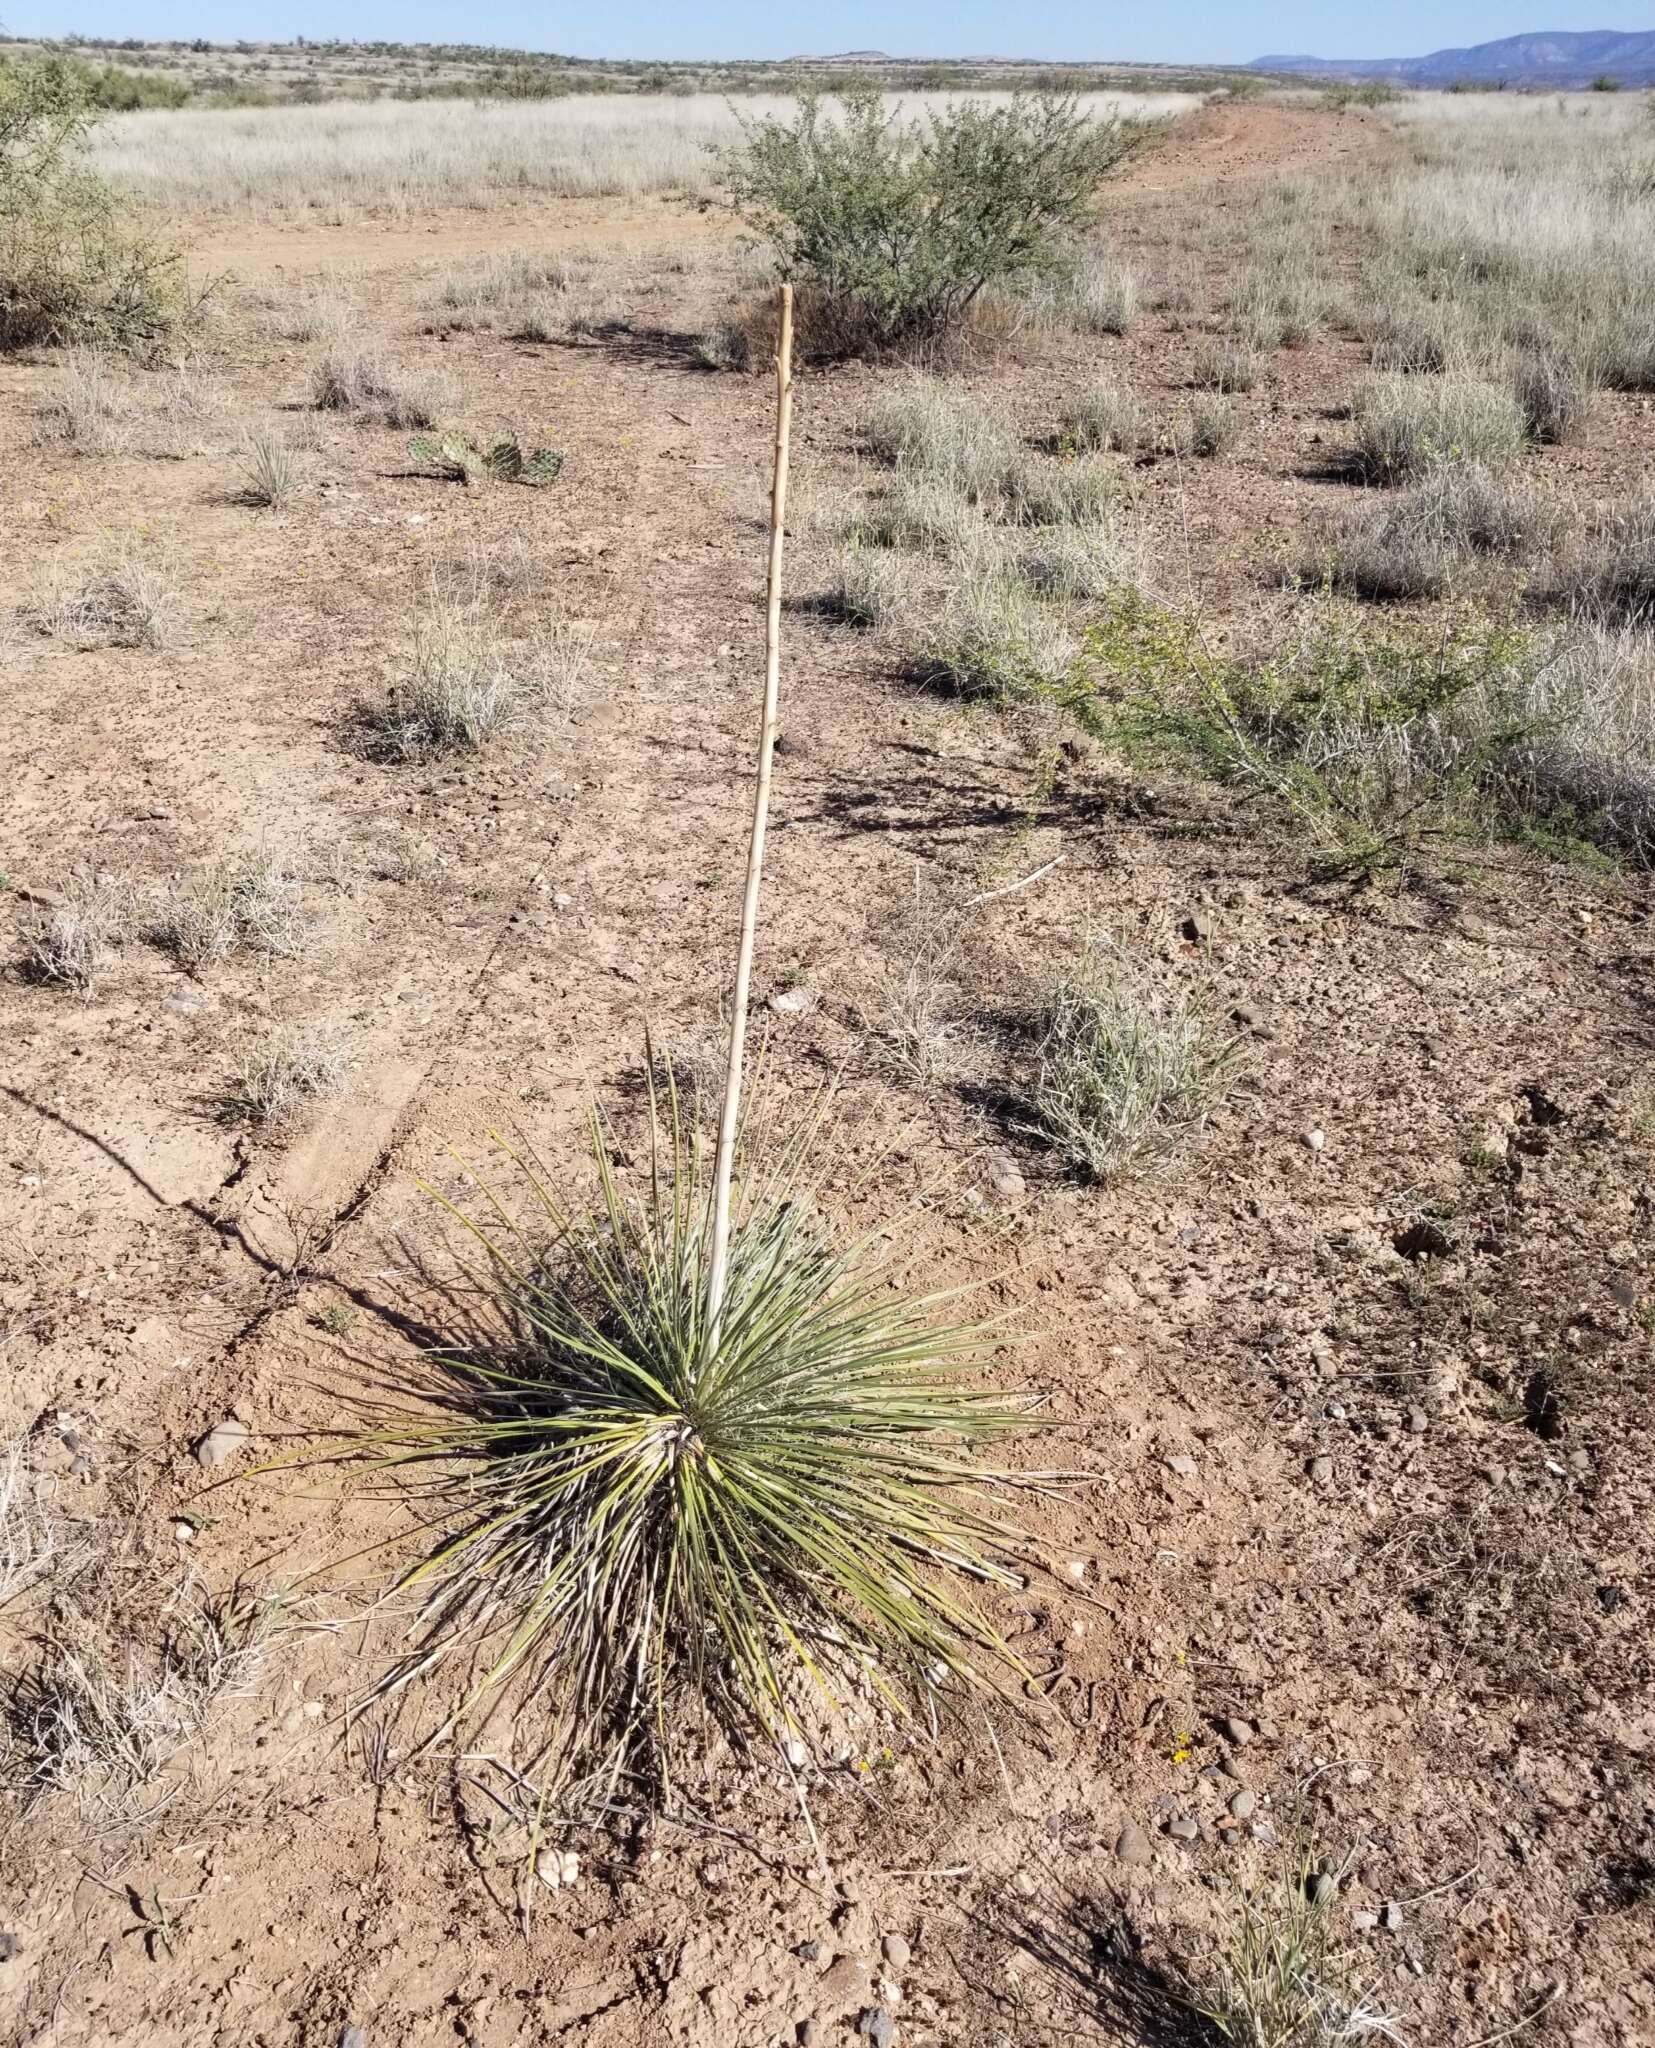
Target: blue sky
(1176,30)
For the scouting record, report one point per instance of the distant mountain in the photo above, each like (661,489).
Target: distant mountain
(1557,60)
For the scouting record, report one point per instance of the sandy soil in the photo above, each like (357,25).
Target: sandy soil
(1438,1639)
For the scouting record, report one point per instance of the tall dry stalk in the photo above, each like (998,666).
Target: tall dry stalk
(729,1120)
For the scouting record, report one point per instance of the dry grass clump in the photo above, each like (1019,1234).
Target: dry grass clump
(1589,760)
(500,292)
(123,597)
(255,902)
(915,1003)
(930,429)
(33,1545)
(66,942)
(100,1718)
(1279,1982)
(1101,297)
(271,469)
(869,586)
(1129,1071)
(1206,430)
(1416,546)
(468,685)
(1105,416)
(1555,395)
(90,406)
(1226,366)
(1043,491)
(929,514)
(992,638)
(1408,425)
(1610,573)
(352,380)
(728,346)
(1087,561)
(280,1073)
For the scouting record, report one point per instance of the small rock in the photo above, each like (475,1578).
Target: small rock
(793,1002)
(1198,926)
(1075,1571)
(895,1951)
(1364,1923)
(1418,1422)
(1623,1290)
(1007,1182)
(808,2031)
(1321,1470)
(354,2037)
(795,1752)
(1391,1918)
(1320,1889)
(1023,1885)
(1132,1845)
(222,1441)
(1316,1140)
(1182,1464)
(1265,1729)
(1184,1829)
(808,1951)
(1242,1804)
(185,1003)
(1253,1019)
(1238,1732)
(9,1945)
(1581,1460)
(877,2026)
(846,1982)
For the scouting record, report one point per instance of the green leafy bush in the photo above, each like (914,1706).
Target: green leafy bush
(901,224)
(71,268)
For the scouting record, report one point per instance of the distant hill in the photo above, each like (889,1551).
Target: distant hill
(1561,59)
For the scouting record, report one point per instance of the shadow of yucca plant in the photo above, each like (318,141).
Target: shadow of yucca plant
(634,1513)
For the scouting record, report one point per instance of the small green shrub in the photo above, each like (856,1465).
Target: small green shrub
(71,267)
(1408,425)
(1129,1071)
(909,221)
(1375,742)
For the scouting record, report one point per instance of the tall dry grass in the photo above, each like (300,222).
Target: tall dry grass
(398,156)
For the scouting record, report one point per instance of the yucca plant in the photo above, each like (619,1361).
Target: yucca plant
(635,1512)
(703,1457)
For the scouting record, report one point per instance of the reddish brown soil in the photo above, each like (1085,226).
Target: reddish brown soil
(1448,1636)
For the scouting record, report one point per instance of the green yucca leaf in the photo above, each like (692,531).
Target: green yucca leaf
(618,1518)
